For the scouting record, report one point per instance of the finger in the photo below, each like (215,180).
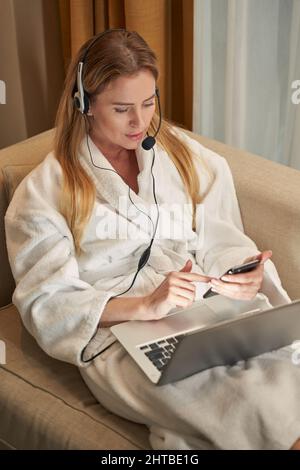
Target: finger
(234,288)
(193,277)
(181,301)
(187,294)
(266,255)
(263,256)
(187,267)
(184,284)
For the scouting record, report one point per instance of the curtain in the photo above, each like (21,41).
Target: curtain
(246,58)
(166,25)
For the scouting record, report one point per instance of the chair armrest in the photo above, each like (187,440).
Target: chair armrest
(269,200)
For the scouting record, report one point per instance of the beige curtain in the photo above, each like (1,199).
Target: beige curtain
(167,26)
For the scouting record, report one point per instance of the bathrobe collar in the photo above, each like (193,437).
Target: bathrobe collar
(111,187)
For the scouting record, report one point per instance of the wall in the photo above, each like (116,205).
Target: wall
(31,65)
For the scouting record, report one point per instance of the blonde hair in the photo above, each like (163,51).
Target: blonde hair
(115,54)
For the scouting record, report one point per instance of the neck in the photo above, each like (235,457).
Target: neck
(118,154)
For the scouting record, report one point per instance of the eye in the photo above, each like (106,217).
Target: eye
(118,110)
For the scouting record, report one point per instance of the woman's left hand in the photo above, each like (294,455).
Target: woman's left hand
(242,286)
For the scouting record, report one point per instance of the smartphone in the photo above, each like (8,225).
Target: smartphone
(241,268)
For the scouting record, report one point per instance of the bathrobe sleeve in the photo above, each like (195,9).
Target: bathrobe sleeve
(59,309)
(222,241)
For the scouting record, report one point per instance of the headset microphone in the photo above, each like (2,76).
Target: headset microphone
(150,141)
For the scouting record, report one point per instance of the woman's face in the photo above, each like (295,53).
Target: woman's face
(125,107)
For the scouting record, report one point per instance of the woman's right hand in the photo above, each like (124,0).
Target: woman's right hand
(177,290)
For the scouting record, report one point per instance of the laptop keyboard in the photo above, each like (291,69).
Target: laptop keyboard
(160,352)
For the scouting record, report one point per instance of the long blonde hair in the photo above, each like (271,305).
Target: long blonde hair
(115,54)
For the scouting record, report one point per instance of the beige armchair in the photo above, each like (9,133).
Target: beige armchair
(44,404)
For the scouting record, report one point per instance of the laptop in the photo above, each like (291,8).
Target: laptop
(212,332)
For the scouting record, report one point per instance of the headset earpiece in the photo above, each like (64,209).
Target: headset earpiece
(77,100)
(86,103)
(81,103)
(81,99)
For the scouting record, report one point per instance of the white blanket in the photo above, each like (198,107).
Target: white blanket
(251,405)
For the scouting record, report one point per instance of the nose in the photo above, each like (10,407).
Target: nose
(137,120)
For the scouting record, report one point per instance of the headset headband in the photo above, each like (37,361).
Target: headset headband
(81,98)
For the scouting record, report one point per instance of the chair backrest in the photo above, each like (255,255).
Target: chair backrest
(15,162)
(268,194)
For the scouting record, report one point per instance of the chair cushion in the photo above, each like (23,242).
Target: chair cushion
(12,177)
(55,409)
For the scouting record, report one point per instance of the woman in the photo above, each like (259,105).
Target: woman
(74,249)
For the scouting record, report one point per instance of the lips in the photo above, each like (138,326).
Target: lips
(134,135)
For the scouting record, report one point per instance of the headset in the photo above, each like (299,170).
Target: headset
(81,102)
(81,97)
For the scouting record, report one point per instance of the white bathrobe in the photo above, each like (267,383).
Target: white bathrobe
(60,296)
